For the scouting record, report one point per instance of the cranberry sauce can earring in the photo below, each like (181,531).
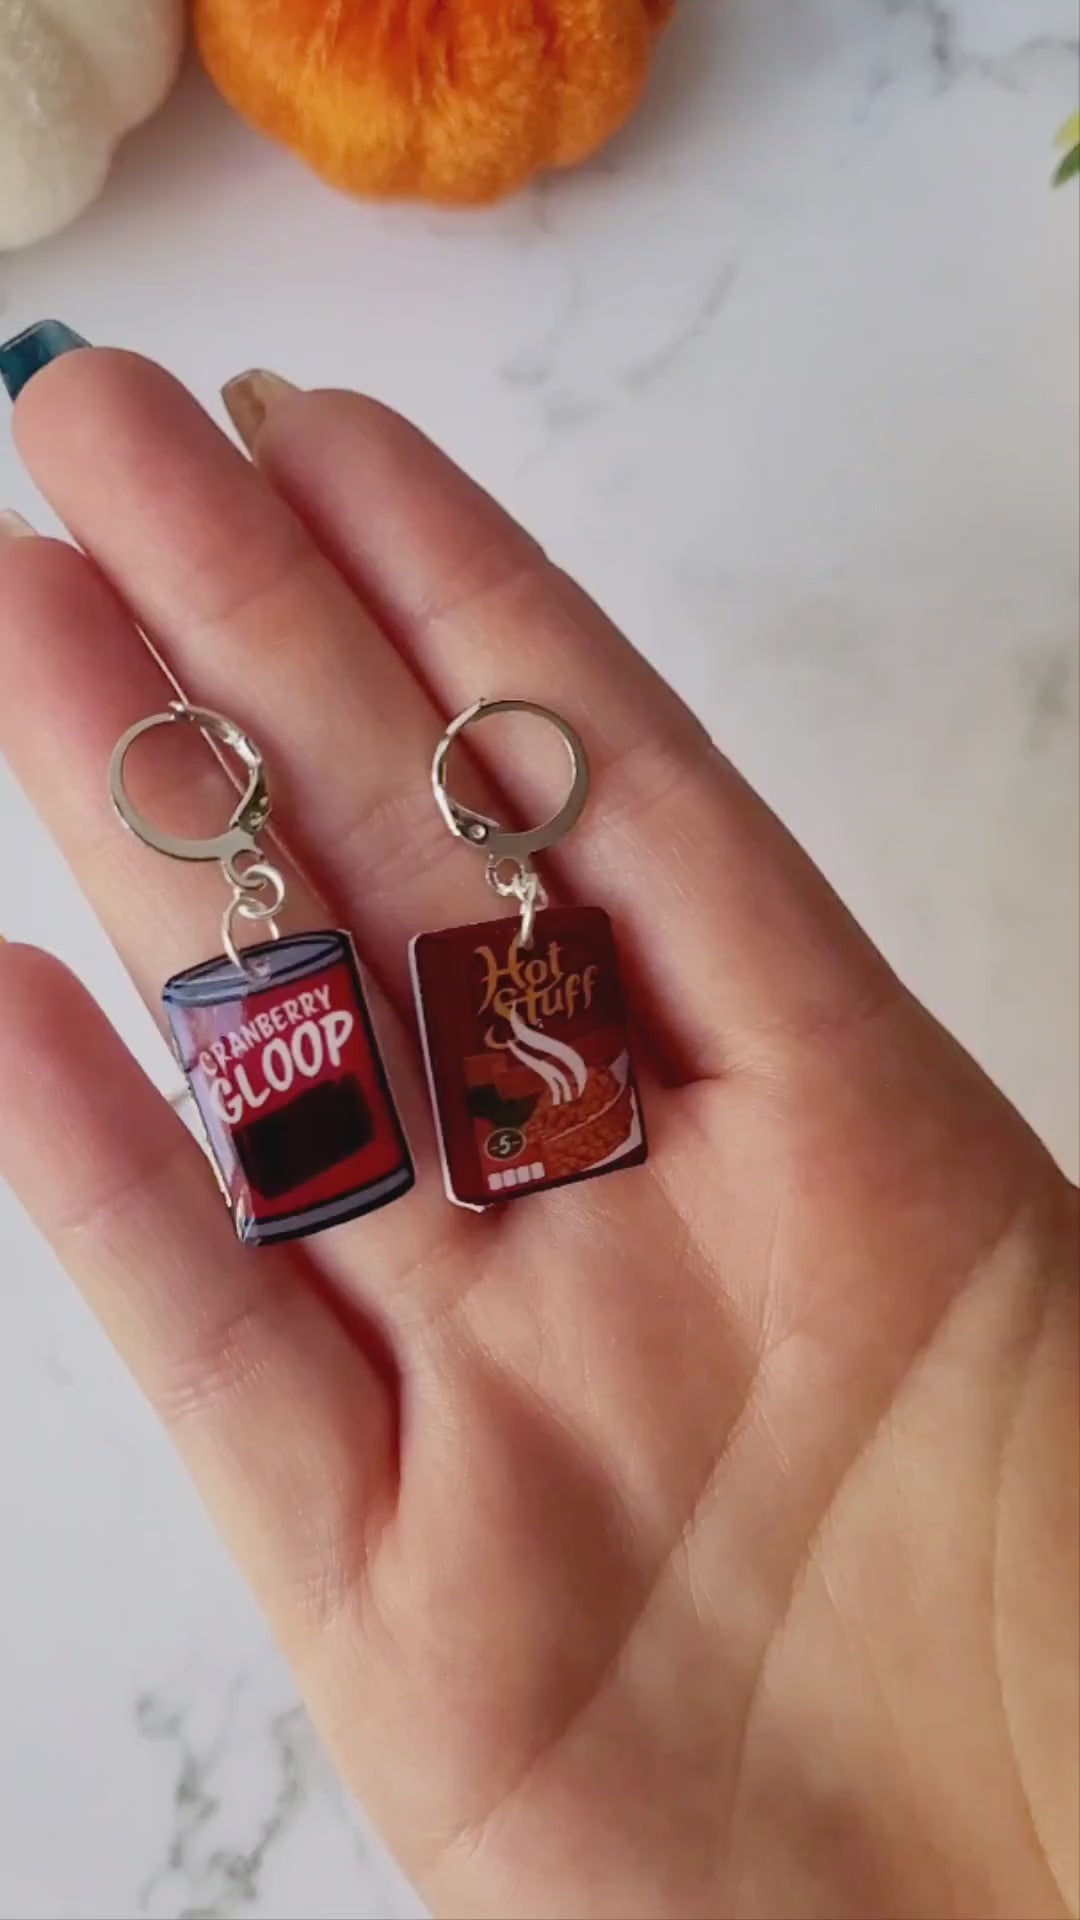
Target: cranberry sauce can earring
(522,1019)
(275,1040)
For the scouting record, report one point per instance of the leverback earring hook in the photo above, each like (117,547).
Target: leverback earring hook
(249,817)
(239,838)
(502,845)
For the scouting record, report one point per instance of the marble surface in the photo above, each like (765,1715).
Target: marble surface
(789,377)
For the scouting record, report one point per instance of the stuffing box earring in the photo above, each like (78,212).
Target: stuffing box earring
(522,1021)
(275,1039)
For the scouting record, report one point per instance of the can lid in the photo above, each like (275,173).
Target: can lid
(292,958)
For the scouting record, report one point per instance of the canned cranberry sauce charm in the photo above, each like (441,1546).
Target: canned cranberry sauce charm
(522,1021)
(275,1039)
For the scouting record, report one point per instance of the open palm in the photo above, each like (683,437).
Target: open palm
(691,1542)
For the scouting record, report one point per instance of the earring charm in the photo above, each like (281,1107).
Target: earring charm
(523,1027)
(275,1039)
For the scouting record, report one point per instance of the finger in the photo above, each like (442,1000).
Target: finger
(74,675)
(257,624)
(737,937)
(285,1425)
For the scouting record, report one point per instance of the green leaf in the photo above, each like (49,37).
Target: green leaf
(1069,134)
(1069,168)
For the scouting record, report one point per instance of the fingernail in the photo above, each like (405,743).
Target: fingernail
(251,398)
(13,526)
(29,351)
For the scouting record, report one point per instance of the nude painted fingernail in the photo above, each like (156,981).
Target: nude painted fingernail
(13,526)
(250,399)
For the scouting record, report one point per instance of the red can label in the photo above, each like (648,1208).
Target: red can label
(528,1055)
(283,1066)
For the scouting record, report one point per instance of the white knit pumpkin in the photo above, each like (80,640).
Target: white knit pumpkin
(75,76)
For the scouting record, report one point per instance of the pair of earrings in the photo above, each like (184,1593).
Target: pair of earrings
(521,1020)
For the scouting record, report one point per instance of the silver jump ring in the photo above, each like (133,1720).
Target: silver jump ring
(526,887)
(253,877)
(259,875)
(246,907)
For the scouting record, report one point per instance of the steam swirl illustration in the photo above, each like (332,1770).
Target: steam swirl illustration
(531,1047)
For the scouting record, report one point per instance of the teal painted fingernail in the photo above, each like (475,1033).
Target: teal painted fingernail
(32,349)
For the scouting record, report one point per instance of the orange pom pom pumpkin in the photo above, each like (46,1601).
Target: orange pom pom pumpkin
(453,100)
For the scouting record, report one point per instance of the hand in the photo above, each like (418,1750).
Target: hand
(692,1542)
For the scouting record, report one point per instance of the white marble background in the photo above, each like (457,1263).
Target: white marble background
(789,377)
